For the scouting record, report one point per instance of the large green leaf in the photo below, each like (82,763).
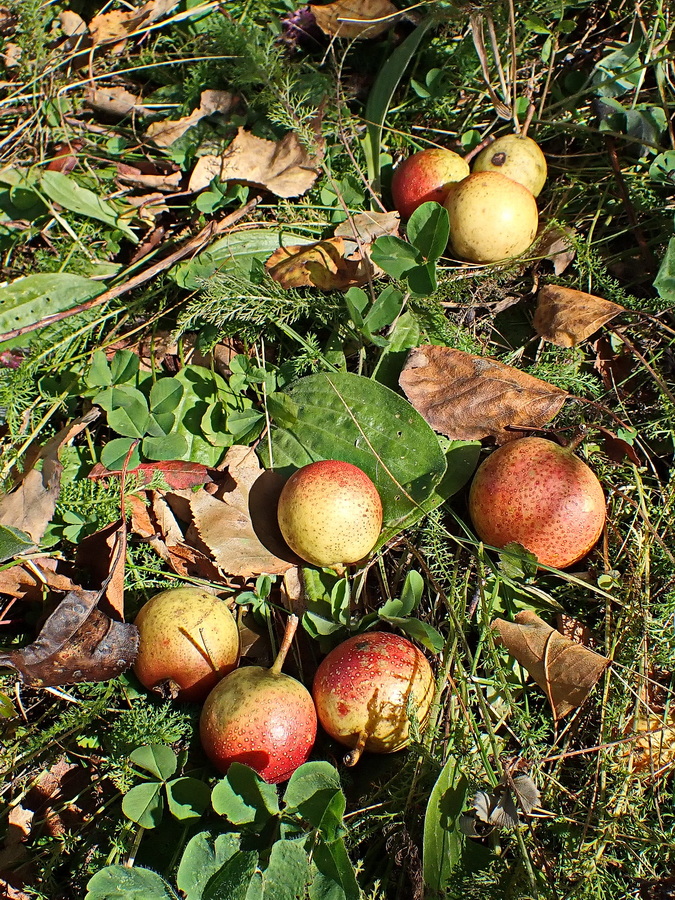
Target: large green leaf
(158,759)
(244,798)
(232,881)
(128,883)
(238,250)
(665,279)
(201,860)
(287,872)
(144,804)
(200,389)
(354,419)
(30,299)
(14,541)
(188,798)
(70,195)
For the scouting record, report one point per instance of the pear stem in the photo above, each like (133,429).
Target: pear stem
(575,442)
(354,755)
(286,641)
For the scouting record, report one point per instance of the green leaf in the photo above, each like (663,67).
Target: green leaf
(311,791)
(70,195)
(282,409)
(201,860)
(515,561)
(394,255)
(165,395)
(128,883)
(243,798)
(144,804)
(429,230)
(335,878)
(99,374)
(171,446)
(35,297)
(200,390)
(665,280)
(238,251)
(287,873)
(382,92)
(244,422)
(232,881)
(461,459)
(123,366)
(384,310)
(13,541)
(422,279)
(413,588)
(115,452)
(428,636)
(446,852)
(158,759)
(188,798)
(354,419)
(405,335)
(663,168)
(127,409)
(356,301)
(7,708)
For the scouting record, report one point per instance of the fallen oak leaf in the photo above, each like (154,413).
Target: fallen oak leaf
(322,265)
(77,643)
(175,473)
(283,167)
(354,19)
(30,507)
(566,317)
(469,397)
(117,25)
(565,670)
(239,525)
(165,133)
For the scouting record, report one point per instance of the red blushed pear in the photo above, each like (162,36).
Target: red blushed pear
(261,718)
(364,689)
(426,176)
(538,494)
(188,641)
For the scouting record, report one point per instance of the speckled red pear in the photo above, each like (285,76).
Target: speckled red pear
(364,688)
(261,718)
(540,495)
(330,513)
(424,176)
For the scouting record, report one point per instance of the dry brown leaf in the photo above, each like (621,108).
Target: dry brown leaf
(12,55)
(114,101)
(103,554)
(116,25)
(469,397)
(165,133)
(31,505)
(555,244)
(72,24)
(322,265)
(149,207)
(26,582)
(283,167)
(654,747)
(564,670)
(566,317)
(613,368)
(368,226)
(354,18)
(158,181)
(239,525)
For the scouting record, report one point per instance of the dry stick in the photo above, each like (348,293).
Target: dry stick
(193,245)
(645,252)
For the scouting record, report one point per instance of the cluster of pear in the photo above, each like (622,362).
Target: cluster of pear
(331,514)
(493,211)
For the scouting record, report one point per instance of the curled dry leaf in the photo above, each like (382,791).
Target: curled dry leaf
(555,244)
(116,25)
(114,101)
(77,643)
(368,226)
(165,133)
(322,265)
(31,505)
(355,18)
(239,524)
(654,747)
(72,24)
(29,582)
(103,554)
(175,473)
(564,670)
(469,397)
(566,317)
(283,167)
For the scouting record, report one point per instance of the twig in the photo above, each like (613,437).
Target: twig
(191,246)
(645,252)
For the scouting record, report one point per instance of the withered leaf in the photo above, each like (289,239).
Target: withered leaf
(28,581)
(500,806)
(77,643)
(31,505)
(116,25)
(566,317)
(322,265)
(176,473)
(654,747)
(355,18)
(104,555)
(153,179)
(469,397)
(114,101)
(368,226)
(555,244)
(564,670)
(165,133)
(72,24)
(239,524)
(283,167)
